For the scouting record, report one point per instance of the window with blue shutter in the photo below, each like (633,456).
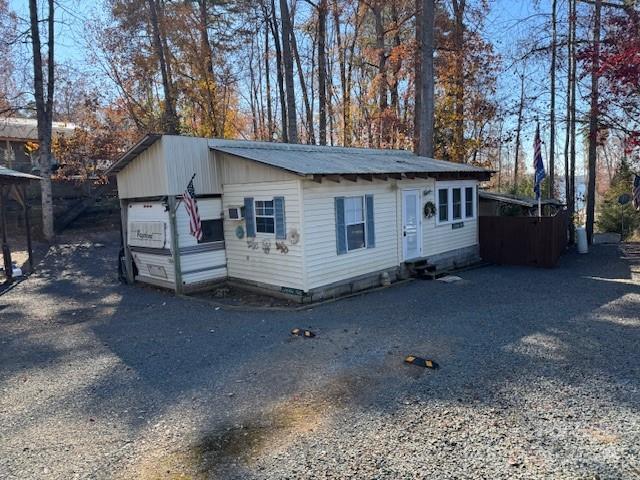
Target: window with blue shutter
(249,217)
(341,233)
(281,225)
(371,231)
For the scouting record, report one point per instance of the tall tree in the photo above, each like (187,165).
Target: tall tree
(44,108)
(424,93)
(552,109)
(323,10)
(170,122)
(287,61)
(458,42)
(593,123)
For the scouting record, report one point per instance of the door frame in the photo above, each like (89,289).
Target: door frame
(418,194)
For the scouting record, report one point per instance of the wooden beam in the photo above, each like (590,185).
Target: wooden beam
(27,226)
(350,177)
(381,176)
(367,177)
(317,178)
(410,175)
(397,176)
(423,175)
(6,252)
(175,246)
(333,178)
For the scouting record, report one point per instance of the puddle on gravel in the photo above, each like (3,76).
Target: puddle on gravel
(240,445)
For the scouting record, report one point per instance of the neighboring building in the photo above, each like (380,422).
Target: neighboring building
(14,135)
(302,220)
(501,204)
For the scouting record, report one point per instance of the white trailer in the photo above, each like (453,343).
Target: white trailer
(149,239)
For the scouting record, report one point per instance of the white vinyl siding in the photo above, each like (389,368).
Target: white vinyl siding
(323,264)
(441,237)
(247,258)
(166,167)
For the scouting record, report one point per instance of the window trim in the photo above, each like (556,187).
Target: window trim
(347,224)
(449,186)
(255,215)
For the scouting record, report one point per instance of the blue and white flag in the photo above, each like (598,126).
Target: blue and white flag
(538,165)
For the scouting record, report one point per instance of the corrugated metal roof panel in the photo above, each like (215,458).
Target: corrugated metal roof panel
(11,176)
(322,160)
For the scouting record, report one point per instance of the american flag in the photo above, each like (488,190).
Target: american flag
(538,165)
(189,197)
(636,191)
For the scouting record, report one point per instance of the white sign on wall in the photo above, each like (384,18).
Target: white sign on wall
(147,234)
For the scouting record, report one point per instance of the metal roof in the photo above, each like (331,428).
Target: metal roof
(517,200)
(127,157)
(24,129)
(324,160)
(12,176)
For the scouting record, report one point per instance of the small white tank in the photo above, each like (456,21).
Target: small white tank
(581,239)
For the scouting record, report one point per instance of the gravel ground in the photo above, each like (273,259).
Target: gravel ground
(539,378)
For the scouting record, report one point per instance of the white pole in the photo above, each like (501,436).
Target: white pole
(539,205)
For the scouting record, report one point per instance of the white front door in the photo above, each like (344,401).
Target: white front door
(411,224)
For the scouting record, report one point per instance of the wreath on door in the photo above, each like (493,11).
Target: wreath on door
(429,209)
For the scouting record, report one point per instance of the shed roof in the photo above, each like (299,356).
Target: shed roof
(24,129)
(517,200)
(8,176)
(324,160)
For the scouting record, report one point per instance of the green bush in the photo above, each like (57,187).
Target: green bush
(611,213)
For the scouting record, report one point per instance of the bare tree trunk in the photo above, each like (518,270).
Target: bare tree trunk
(518,130)
(593,124)
(267,75)
(458,42)
(427,79)
(44,110)
(343,74)
(376,9)
(208,74)
(170,121)
(280,77)
(311,138)
(572,136)
(287,60)
(323,8)
(552,109)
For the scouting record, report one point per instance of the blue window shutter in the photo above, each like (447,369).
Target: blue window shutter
(371,231)
(341,234)
(249,218)
(281,224)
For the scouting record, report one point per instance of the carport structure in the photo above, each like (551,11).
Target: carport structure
(12,183)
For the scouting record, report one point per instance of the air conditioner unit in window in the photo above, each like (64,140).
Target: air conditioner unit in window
(236,213)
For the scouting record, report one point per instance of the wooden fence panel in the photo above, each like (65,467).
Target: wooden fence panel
(531,241)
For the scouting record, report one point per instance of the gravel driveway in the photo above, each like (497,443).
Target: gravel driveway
(539,378)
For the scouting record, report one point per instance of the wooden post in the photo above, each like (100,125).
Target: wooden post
(6,252)
(128,261)
(175,248)
(27,226)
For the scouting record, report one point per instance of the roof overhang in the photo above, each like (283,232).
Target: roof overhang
(13,177)
(143,144)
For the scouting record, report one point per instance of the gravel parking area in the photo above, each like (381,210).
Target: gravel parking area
(539,377)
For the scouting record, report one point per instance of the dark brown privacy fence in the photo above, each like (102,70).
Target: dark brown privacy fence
(533,241)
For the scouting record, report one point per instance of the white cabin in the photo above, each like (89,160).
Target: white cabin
(305,221)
